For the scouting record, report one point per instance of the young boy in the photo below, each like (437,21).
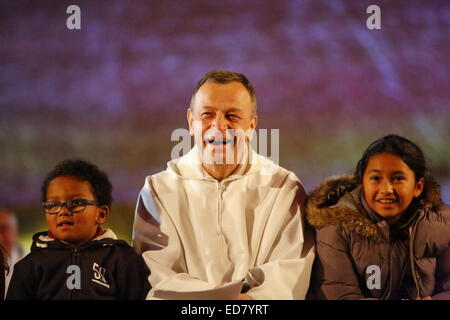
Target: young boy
(76,258)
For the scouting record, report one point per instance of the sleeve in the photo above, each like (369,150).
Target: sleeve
(23,285)
(3,270)
(147,233)
(334,276)
(166,259)
(133,277)
(442,288)
(442,291)
(289,244)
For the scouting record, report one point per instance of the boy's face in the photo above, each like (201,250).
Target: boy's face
(75,228)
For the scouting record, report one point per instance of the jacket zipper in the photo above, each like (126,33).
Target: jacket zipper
(388,293)
(75,261)
(411,260)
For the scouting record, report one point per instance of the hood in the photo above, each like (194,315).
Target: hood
(336,202)
(190,165)
(42,240)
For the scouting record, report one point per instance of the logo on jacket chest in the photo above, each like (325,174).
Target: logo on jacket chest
(74,279)
(99,275)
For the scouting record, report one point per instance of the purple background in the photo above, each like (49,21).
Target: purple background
(114,91)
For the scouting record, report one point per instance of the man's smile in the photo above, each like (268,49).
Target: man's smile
(219,142)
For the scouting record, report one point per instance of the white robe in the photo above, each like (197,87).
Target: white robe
(196,232)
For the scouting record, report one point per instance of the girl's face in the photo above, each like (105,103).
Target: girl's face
(389,185)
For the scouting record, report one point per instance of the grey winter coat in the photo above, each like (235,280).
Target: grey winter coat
(359,256)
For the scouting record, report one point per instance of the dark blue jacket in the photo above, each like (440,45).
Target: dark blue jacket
(103,269)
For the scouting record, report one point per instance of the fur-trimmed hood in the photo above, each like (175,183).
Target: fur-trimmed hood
(337,202)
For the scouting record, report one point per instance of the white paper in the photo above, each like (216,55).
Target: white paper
(229,291)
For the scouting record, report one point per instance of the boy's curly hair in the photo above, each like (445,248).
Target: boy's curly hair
(98,180)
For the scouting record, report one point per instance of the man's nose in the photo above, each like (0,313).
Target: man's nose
(220,122)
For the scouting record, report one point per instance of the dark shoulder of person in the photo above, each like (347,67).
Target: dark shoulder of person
(2,273)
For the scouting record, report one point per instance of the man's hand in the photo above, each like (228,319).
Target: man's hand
(242,296)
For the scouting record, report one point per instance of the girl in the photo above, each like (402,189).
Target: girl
(383,233)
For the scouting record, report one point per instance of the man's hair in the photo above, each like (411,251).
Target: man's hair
(98,180)
(224,77)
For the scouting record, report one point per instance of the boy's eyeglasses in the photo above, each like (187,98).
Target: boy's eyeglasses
(73,206)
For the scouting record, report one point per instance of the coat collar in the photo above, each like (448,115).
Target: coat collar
(46,239)
(339,201)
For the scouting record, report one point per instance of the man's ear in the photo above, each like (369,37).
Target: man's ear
(190,120)
(254,122)
(103,214)
(252,128)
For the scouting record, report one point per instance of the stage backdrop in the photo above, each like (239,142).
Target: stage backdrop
(114,91)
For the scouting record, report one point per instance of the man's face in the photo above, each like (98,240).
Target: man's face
(8,232)
(75,228)
(221,120)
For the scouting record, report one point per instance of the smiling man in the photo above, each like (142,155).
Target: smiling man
(222,122)
(223,213)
